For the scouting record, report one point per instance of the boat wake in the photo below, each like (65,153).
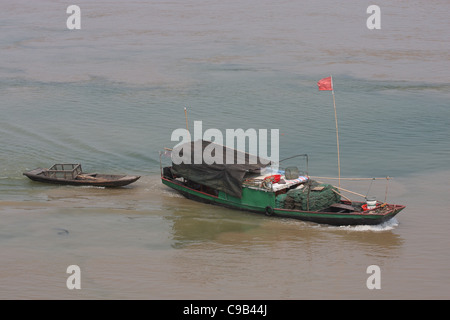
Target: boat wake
(386,226)
(91,187)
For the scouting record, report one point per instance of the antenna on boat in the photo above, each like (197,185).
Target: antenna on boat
(185,115)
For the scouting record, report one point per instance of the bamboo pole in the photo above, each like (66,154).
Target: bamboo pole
(386,192)
(160,164)
(333,178)
(346,198)
(358,194)
(338,193)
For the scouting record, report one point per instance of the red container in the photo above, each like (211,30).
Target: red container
(275,178)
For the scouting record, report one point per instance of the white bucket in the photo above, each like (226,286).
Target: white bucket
(371,203)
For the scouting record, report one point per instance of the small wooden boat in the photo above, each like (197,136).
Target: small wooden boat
(244,187)
(72,174)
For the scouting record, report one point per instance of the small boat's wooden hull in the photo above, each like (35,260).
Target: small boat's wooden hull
(97,180)
(264,203)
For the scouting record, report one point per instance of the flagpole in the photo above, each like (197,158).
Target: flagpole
(337,133)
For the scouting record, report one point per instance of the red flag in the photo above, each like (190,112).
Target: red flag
(325,84)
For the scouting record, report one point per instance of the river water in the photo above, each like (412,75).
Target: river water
(110,95)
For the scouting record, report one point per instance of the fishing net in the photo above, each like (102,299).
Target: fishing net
(279,200)
(320,197)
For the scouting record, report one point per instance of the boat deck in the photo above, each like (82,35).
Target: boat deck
(262,182)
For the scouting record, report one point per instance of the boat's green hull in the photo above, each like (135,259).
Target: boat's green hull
(264,202)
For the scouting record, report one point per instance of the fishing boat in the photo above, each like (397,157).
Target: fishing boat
(254,186)
(72,174)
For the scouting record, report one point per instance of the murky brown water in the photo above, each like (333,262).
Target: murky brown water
(146,242)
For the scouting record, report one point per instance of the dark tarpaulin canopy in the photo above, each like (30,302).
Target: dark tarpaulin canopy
(221,175)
